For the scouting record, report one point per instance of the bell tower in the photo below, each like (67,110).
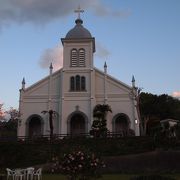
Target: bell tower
(78,51)
(79,46)
(78,74)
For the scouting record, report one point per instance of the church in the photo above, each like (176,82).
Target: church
(74,90)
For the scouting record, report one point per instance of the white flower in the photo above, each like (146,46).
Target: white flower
(80,166)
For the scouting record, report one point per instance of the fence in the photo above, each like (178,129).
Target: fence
(58,136)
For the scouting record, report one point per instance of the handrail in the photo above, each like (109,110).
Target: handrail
(58,136)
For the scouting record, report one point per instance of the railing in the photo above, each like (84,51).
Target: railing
(59,137)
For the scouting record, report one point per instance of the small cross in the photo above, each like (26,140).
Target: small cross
(79,10)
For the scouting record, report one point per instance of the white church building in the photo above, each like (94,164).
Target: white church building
(74,90)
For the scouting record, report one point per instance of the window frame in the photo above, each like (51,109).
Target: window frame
(77,83)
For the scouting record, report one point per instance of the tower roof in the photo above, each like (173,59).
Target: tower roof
(78,31)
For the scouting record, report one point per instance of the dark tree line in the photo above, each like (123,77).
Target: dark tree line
(8,127)
(154,108)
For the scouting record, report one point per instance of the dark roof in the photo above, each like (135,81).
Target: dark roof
(78,31)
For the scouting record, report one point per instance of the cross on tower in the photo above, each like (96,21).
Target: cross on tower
(79,10)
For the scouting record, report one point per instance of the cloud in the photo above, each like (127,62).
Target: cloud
(102,10)
(52,55)
(176,94)
(35,11)
(55,56)
(44,11)
(101,51)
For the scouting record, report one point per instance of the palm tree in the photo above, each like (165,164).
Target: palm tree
(51,114)
(99,126)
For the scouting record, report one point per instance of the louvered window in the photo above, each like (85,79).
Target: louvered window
(81,57)
(77,58)
(74,57)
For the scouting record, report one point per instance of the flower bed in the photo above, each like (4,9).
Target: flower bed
(78,165)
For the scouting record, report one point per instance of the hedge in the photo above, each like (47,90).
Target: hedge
(41,150)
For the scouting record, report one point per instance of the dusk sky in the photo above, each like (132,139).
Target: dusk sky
(134,37)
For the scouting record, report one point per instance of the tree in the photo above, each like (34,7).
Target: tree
(168,107)
(51,114)
(147,106)
(154,108)
(10,122)
(13,113)
(99,126)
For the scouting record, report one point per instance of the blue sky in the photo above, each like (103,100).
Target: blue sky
(134,37)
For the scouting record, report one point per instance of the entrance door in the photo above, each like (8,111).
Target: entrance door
(77,124)
(35,126)
(121,123)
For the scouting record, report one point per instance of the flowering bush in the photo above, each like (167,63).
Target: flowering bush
(78,164)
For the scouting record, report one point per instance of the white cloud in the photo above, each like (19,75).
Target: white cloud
(34,11)
(102,10)
(176,94)
(44,11)
(52,55)
(101,51)
(55,56)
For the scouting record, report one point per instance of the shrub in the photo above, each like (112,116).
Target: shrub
(78,164)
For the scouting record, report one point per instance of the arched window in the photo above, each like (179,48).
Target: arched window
(78,83)
(74,57)
(72,84)
(83,83)
(77,57)
(81,57)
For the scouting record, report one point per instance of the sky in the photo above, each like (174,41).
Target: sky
(134,37)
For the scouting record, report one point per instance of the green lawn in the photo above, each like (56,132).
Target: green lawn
(105,177)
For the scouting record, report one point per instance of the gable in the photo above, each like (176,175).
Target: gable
(41,88)
(113,86)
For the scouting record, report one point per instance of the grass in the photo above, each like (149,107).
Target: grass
(105,177)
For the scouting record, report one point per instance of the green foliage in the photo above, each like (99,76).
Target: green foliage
(78,164)
(154,108)
(40,151)
(99,126)
(8,129)
(161,107)
(22,154)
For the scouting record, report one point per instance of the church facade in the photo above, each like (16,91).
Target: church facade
(74,90)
